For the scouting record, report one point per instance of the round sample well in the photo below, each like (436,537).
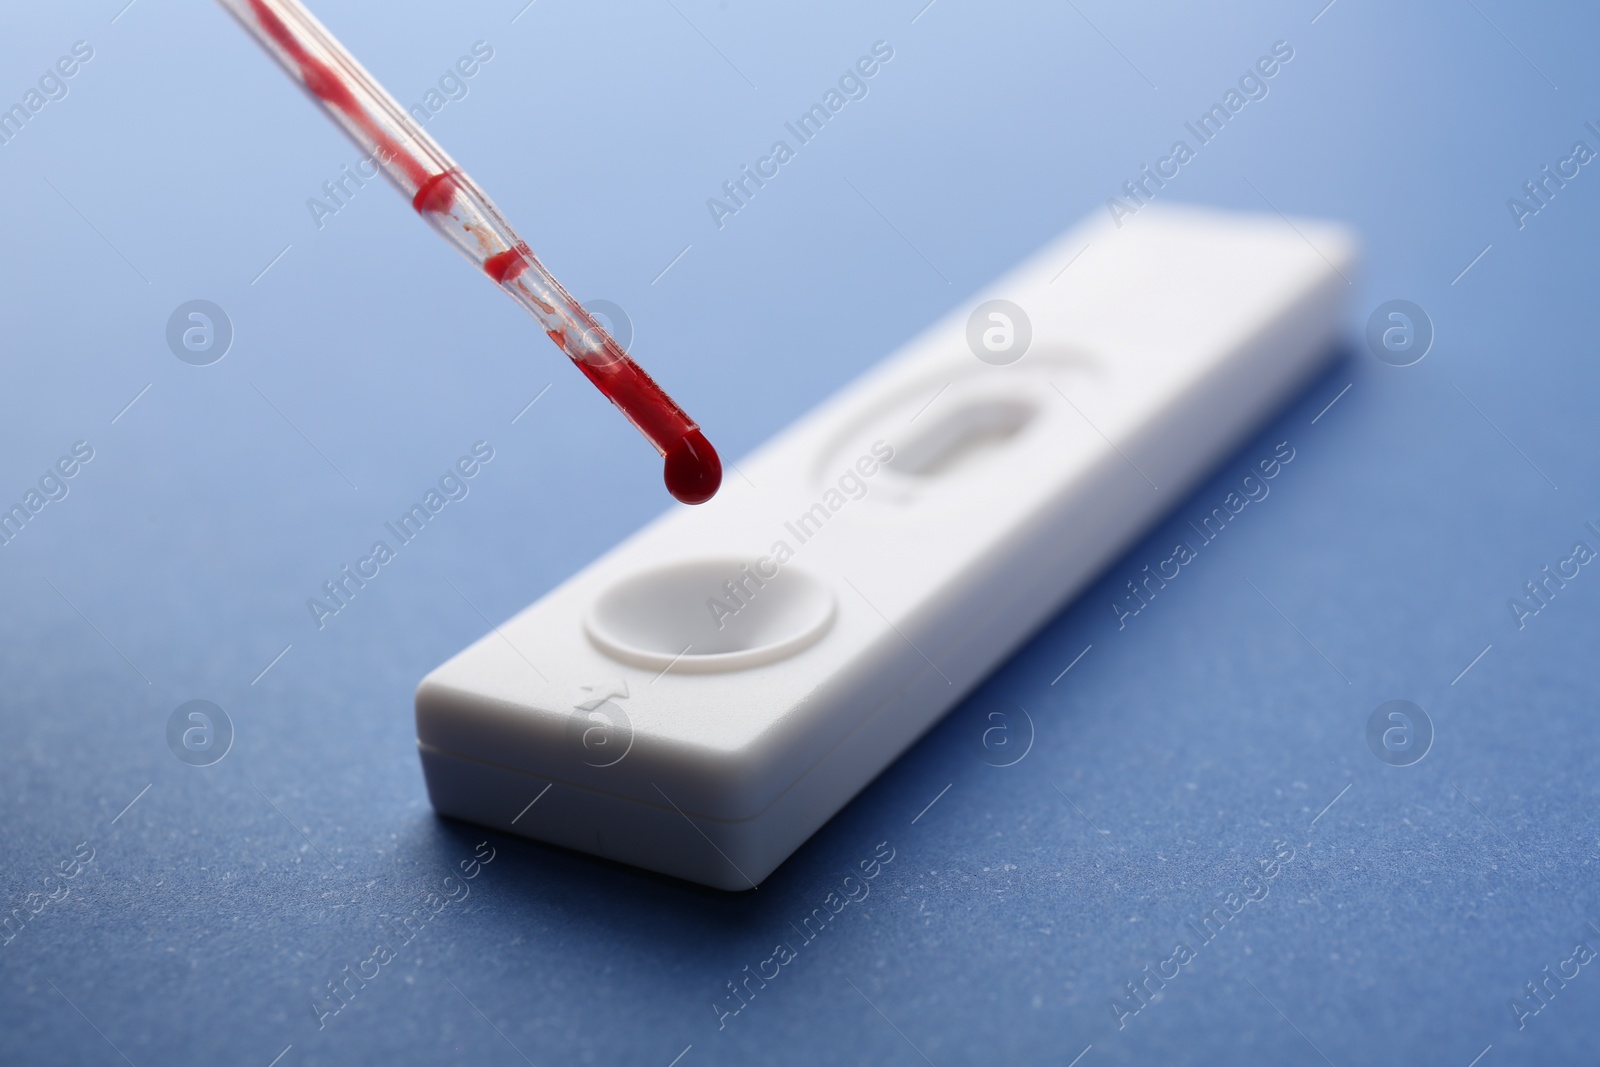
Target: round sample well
(709,615)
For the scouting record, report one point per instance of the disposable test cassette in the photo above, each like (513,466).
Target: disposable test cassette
(706,695)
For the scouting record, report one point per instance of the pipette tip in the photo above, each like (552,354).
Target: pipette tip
(693,470)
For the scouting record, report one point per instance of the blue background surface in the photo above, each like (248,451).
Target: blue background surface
(1176,753)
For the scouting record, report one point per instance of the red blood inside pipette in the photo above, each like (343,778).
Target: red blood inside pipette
(503,266)
(693,470)
(435,194)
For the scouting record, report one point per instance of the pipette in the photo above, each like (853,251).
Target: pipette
(453,204)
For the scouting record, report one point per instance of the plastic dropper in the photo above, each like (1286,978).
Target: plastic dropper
(454,206)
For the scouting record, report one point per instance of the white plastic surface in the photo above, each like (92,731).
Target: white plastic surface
(703,697)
